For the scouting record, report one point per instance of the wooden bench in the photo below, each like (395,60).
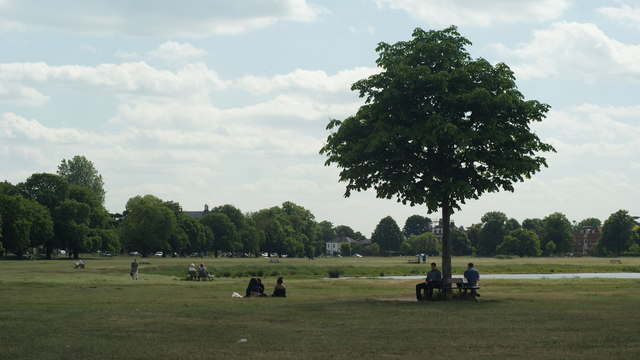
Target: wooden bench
(274,260)
(460,285)
(413,261)
(615,261)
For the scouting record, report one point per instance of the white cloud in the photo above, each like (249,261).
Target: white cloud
(579,50)
(21,95)
(594,132)
(125,78)
(308,80)
(174,52)
(153,18)
(479,13)
(624,13)
(14,126)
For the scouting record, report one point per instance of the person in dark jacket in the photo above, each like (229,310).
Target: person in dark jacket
(433,280)
(252,288)
(279,290)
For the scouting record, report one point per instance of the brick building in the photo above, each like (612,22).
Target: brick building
(586,238)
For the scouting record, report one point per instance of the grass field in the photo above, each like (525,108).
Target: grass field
(48,310)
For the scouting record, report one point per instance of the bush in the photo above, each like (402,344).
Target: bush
(335,273)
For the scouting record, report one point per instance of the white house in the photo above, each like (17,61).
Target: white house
(333,246)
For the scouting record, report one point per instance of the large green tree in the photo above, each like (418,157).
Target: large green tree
(147,225)
(416,225)
(617,233)
(49,190)
(224,232)
(437,128)
(521,242)
(557,234)
(492,233)
(387,234)
(80,171)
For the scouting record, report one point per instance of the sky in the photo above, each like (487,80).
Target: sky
(227,102)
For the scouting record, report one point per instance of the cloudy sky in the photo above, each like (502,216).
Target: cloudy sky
(226,102)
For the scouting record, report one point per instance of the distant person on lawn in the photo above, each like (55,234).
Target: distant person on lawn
(279,290)
(433,280)
(134,269)
(472,275)
(252,288)
(193,272)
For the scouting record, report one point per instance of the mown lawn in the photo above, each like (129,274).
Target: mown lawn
(48,310)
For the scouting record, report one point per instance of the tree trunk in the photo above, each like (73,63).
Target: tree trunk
(446,246)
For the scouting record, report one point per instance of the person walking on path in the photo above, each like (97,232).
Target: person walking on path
(134,269)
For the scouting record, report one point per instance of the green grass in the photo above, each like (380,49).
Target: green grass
(48,310)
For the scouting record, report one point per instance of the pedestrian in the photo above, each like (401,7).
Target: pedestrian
(134,269)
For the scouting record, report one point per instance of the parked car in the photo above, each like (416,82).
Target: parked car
(158,253)
(134,253)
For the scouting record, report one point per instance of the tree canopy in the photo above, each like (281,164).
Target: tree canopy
(617,233)
(437,128)
(80,171)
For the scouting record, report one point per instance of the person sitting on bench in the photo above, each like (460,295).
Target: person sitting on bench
(433,280)
(472,275)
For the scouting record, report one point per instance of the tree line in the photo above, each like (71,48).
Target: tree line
(497,234)
(66,211)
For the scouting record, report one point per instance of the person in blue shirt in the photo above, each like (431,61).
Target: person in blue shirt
(472,275)
(433,280)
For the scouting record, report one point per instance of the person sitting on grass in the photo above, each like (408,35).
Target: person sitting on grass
(433,280)
(472,275)
(260,287)
(192,271)
(79,264)
(252,289)
(279,290)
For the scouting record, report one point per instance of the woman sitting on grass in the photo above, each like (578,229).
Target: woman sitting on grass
(252,289)
(279,290)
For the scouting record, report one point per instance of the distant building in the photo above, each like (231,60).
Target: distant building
(586,238)
(438,229)
(333,245)
(198,214)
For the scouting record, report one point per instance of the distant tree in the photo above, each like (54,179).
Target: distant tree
(305,231)
(460,244)
(326,231)
(80,171)
(416,225)
(617,233)
(534,225)
(388,235)
(345,249)
(251,238)
(492,233)
(71,226)
(587,222)
(374,249)
(49,190)
(473,234)
(224,232)
(511,224)
(271,223)
(437,128)
(521,242)
(557,229)
(147,225)
(344,230)
(426,243)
